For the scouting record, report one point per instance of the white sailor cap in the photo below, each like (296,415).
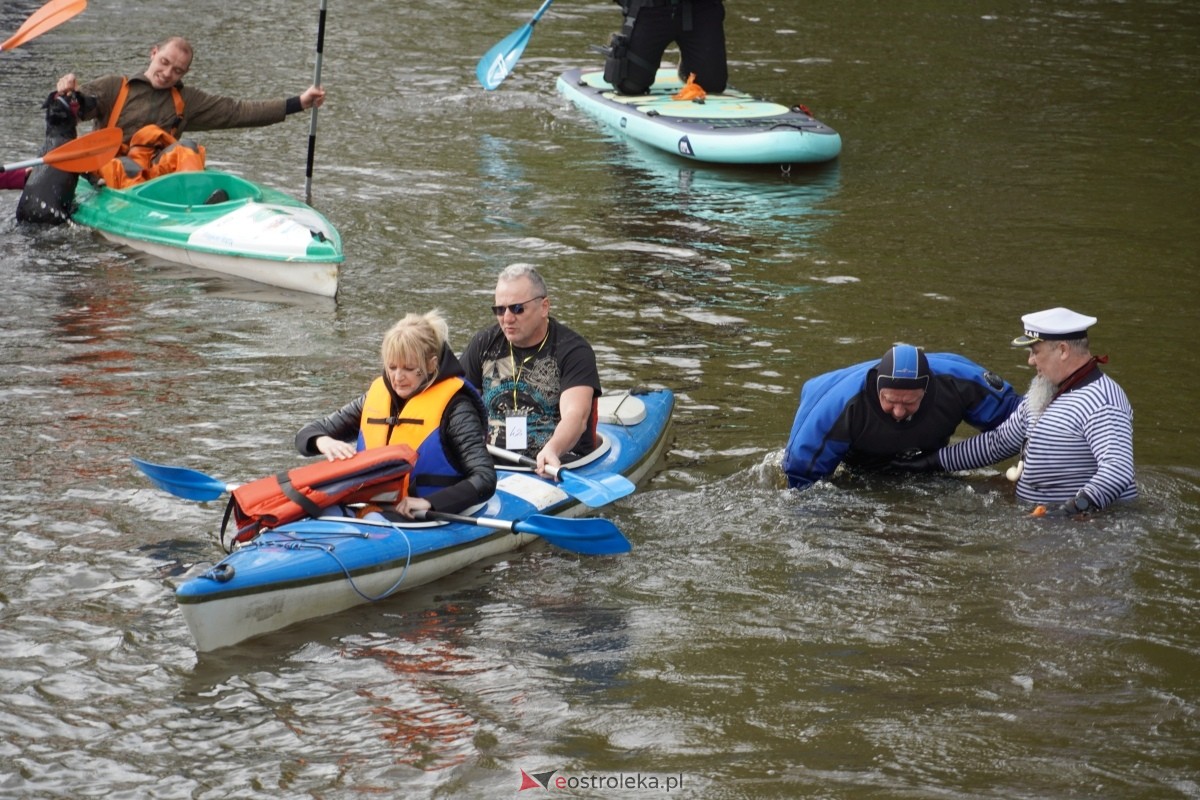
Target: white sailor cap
(1053,324)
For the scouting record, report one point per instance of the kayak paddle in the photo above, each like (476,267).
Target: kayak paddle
(86,154)
(183,482)
(586,535)
(590,536)
(498,62)
(49,16)
(593,491)
(312,122)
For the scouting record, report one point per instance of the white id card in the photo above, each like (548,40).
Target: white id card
(516,435)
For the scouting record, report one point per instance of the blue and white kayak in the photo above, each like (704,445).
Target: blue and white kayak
(221,222)
(315,567)
(728,128)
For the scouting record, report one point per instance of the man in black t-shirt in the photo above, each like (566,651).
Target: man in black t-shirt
(538,378)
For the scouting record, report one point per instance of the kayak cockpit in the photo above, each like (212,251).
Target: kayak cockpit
(196,188)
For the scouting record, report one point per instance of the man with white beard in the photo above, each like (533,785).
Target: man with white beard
(1073,430)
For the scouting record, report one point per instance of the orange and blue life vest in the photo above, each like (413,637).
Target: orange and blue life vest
(419,425)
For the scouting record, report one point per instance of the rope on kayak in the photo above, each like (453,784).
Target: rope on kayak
(223,571)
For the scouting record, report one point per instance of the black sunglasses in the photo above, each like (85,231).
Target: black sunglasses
(516,308)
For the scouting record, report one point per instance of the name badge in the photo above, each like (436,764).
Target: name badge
(516,434)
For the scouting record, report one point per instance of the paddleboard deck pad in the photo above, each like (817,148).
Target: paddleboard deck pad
(728,128)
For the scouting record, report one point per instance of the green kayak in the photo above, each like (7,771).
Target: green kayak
(220,222)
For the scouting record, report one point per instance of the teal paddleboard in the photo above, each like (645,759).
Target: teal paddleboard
(728,128)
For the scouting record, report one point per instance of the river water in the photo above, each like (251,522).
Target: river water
(917,638)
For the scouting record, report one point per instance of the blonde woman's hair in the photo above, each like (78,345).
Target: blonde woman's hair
(415,339)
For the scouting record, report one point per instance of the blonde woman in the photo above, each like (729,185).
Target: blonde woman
(421,400)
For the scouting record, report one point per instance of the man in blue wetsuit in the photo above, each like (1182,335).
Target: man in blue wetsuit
(907,404)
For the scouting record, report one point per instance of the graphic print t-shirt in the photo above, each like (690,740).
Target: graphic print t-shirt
(542,373)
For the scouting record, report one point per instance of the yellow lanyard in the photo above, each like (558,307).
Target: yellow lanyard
(518,370)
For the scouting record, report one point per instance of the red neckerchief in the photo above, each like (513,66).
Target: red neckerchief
(1078,375)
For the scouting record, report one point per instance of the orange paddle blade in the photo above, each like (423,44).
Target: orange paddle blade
(85,154)
(51,15)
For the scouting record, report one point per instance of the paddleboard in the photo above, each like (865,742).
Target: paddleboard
(728,128)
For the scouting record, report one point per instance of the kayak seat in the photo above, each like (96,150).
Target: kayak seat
(196,188)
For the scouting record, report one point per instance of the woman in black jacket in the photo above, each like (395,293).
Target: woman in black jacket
(421,400)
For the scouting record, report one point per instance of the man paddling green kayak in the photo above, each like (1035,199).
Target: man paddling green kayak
(156,102)
(152,109)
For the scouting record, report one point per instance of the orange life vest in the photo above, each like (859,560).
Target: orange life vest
(288,496)
(417,425)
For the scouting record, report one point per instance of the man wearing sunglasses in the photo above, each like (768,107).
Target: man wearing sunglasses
(538,378)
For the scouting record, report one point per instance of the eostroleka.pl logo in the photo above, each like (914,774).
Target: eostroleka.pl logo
(548,781)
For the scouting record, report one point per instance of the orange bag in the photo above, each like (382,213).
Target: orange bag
(305,491)
(152,152)
(691,90)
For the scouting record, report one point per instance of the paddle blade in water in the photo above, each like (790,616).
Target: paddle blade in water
(498,62)
(592,537)
(587,535)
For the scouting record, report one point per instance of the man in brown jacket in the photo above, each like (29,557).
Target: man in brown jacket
(158,98)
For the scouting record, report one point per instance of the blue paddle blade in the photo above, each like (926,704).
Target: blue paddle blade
(181,481)
(498,62)
(596,490)
(587,535)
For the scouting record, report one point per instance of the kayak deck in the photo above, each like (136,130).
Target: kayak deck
(222,222)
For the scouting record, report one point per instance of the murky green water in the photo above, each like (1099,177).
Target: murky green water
(867,638)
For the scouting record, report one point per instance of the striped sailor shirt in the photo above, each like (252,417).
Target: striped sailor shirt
(1083,442)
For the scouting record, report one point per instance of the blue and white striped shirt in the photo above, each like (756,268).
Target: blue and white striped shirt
(1083,441)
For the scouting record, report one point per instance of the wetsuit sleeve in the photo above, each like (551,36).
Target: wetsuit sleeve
(463,432)
(342,424)
(993,409)
(813,450)
(994,405)
(985,397)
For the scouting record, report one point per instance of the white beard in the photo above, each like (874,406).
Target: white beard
(1041,392)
